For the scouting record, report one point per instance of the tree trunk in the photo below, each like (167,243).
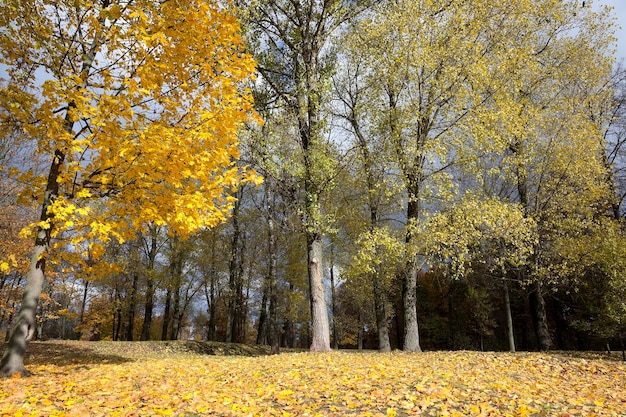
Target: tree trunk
(177,313)
(209,292)
(166,314)
(13,360)
(147,317)
(130,328)
(274,333)
(84,303)
(409,297)
(380,301)
(538,311)
(176,277)
(360,332)
(409,288)
(210,296)
(261,334)
(232,326)
(320,337)
(150,290)
(509,317)
(333,303)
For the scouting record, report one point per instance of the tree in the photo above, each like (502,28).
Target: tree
(378,186)
(558,184)
(453,83)
(135,105)
(292,48)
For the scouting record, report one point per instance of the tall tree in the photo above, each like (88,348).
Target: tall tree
(292,41)
(138,109)
(449,84)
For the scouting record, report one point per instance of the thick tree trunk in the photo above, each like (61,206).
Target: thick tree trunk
(509,317)
(538,311)
(13,359)
(409,297)
(409,288)
(320,338)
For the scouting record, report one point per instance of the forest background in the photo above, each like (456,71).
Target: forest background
(456,165)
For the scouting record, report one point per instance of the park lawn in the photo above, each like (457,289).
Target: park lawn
(142,379)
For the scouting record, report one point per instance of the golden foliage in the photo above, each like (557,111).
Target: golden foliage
(141,102)
(331,384)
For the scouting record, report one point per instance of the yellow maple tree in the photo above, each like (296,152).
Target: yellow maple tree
(136,107)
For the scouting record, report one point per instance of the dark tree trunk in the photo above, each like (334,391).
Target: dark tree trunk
(151,251)
(149,306)
(509,317)
(538,312)
(261,334)
(209,292)
(176,279)
(130,327)
(176,314)
(210,296)
(166,314)
(234,288)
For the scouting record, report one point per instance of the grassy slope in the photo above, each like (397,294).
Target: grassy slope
(193,379)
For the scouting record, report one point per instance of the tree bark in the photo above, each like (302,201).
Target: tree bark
(234,288)
(148,309)
(538,311)
(333,303)
(13,360)
(130,328)
(261,334)
(320,337)
(166,314)
(409,293)
(509,317)
(150,290)
(380,301)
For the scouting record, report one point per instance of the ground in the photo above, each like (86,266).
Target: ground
(218,379)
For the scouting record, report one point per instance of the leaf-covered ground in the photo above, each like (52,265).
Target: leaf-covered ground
(190,379)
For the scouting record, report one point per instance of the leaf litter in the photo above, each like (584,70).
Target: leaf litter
(177,379)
